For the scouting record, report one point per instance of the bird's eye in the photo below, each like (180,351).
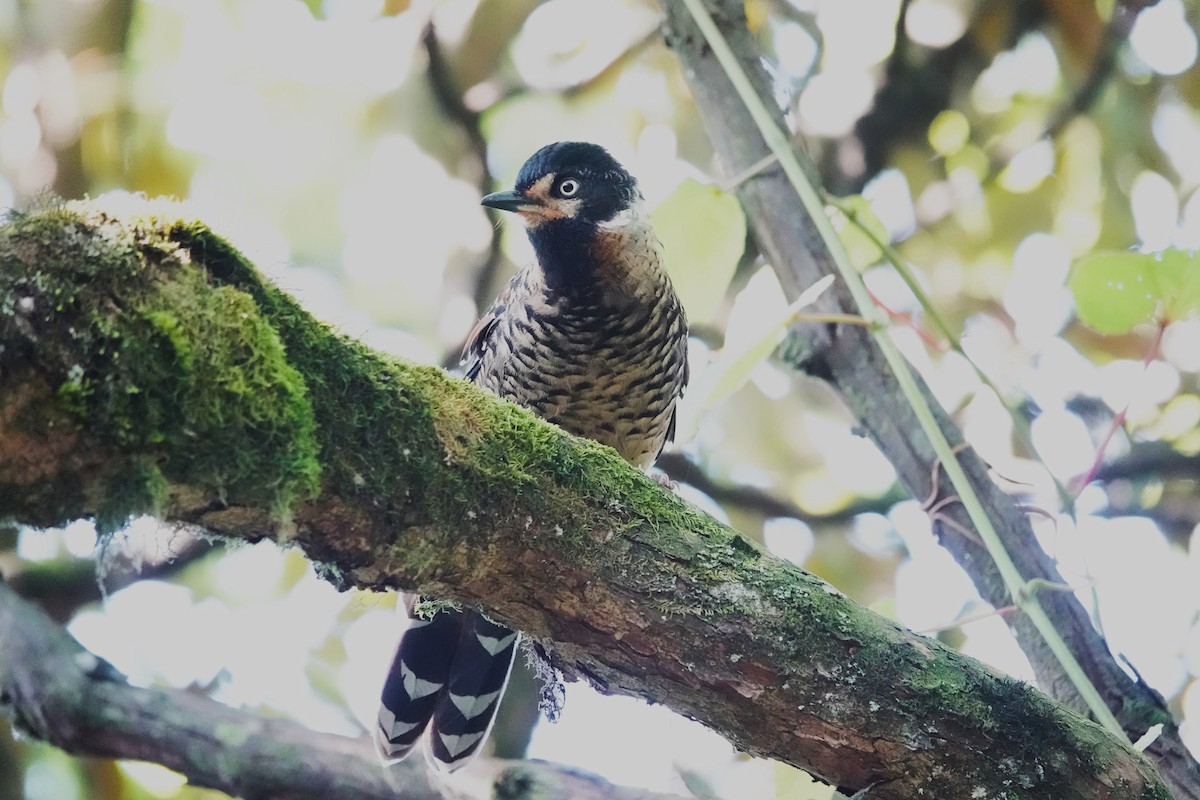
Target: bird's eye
(568,187)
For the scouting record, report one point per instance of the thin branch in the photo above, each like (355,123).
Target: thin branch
(1020,422)
(1118,421)
(1150,460)
(57,691)
(1081,100)
(1124,14)
(750,498)
(448,95)
(902,46)
(62,586)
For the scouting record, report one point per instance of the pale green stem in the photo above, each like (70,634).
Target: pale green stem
(1021,425)
(778,143)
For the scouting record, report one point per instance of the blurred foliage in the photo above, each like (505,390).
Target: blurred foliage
(1114,292)
(703,233)
(346,156)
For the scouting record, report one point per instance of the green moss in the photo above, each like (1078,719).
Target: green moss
(169,326)
(392,432)
(190,381)
(938,678)
(73,392)
(227,402)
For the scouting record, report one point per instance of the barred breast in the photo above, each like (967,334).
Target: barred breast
(608,361)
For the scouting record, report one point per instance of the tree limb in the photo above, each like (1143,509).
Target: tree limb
(146,367)
(57,691)
(848,358)
(448,95)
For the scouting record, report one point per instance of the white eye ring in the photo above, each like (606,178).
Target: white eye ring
(569,187)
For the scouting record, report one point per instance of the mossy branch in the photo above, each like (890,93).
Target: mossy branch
(145,367)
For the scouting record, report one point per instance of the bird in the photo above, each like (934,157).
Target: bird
(590,336)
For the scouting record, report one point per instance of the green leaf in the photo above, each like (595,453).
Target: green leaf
(1177,275)
(1114,291)
(703,232)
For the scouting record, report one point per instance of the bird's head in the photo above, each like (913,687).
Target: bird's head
(569,181)
(576,201)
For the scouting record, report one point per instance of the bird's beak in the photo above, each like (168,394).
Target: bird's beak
(509,201)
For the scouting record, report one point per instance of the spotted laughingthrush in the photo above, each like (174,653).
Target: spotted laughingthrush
(590,337)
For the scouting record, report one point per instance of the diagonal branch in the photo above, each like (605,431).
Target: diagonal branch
(145,366)
(57,691)
(852,363)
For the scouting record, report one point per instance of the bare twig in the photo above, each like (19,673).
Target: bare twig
(448,95)
(62,586)
(1124,14)
(679,468)
(1118,421)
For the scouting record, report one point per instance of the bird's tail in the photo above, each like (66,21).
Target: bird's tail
(447,676)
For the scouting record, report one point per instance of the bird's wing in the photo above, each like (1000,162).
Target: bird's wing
(682,345)
(477,341)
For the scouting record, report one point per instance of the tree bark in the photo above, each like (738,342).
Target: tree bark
(145,367)
(850,361)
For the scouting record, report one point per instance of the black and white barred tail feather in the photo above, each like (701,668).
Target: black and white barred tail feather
(447,676)
(415,681)
(467,708)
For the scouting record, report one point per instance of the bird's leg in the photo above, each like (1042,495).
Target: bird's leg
(664,480)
